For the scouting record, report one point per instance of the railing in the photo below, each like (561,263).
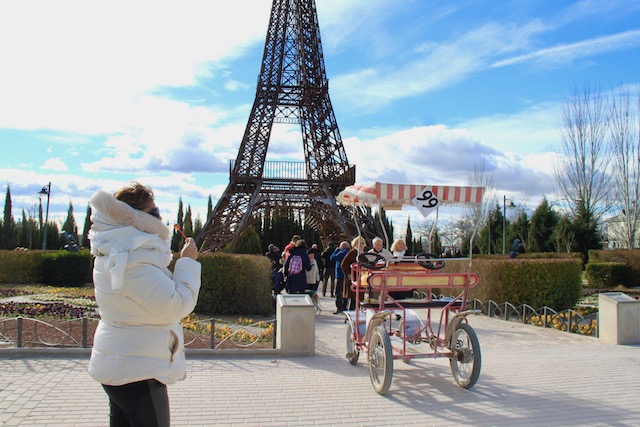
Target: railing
(297,171)
(21,332)
(29,332)
(569,320)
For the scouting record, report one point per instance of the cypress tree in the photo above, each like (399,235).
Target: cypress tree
(188,223)
(8,224)
(177,237)
(69,224)
(408,237)
(84,241)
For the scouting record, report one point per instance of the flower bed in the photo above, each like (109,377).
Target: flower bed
(55,319)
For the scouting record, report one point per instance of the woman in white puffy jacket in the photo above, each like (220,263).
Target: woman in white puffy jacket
(138,347)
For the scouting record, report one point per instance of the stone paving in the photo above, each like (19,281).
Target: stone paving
(530,376)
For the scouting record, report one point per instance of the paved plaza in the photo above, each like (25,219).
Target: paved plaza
(530,376)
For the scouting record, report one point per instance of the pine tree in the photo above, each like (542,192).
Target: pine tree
(543,223)
(87,226)
(23,239)
(436,247)
(197,225)
(188,223)
(7,240)
(69,224)
(177,237)
(408,237)
(249,243)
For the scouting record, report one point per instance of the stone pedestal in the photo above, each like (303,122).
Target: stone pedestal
(618,318)
(296,330)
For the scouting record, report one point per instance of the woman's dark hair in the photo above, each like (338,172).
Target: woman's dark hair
(301,244)
(136,195)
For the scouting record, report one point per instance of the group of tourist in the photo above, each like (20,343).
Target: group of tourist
(331,267)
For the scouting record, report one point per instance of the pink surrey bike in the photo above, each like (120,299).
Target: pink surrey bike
(385,326)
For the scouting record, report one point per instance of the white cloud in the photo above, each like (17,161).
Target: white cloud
(85,67)
(532,130)
(567,53)
(55,164)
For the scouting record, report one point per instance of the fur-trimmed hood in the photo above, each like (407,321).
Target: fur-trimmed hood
(118,230)
(112,212)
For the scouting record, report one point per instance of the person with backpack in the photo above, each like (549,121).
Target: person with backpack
(295,268)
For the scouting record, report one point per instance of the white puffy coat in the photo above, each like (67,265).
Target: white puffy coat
(140,301)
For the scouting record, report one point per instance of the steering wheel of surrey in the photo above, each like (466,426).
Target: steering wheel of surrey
(423,259)
(372,261)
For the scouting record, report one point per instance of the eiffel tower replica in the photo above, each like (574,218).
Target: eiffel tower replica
(292,89)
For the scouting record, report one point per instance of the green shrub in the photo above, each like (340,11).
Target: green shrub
(62,268)
(607,275)
(21,267)
(631,258)
(235,284)
(555,283)
(231,284)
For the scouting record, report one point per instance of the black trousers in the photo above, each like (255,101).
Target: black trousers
(339,300)
(329,273)
(140,404)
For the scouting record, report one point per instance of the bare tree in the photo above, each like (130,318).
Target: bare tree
(479,177)
(624,129)
(580,171)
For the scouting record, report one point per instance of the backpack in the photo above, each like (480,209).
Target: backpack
(295,265)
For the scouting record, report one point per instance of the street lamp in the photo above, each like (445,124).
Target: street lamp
(504,221)
(46,190)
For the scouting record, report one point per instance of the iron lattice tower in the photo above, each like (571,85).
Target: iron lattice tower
(292,88)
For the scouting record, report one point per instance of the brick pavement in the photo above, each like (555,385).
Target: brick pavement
(530,376)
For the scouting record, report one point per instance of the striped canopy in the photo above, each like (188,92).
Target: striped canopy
(390,196)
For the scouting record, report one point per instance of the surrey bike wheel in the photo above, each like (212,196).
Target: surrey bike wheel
(353,353)
(466,359)
(380,360)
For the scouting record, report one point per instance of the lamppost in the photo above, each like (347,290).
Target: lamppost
(46,190)
(504,221)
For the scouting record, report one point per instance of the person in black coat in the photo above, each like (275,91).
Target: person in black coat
(329,270)
(517,248)
(296,283)
(274,255)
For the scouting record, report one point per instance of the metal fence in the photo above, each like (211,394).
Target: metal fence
(570,320)
(21,332)
(221,334)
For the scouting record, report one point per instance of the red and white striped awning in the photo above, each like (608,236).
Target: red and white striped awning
(391,196)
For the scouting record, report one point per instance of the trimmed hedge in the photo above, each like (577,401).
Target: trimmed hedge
(231,284)
(631,258)
(555,283)
(21,267)
(55,268)
(62,268)
(235,284)
(608,275)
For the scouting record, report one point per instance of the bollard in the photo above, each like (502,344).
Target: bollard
(296,325)
(619,318)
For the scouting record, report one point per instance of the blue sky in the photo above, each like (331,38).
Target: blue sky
(96,94)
